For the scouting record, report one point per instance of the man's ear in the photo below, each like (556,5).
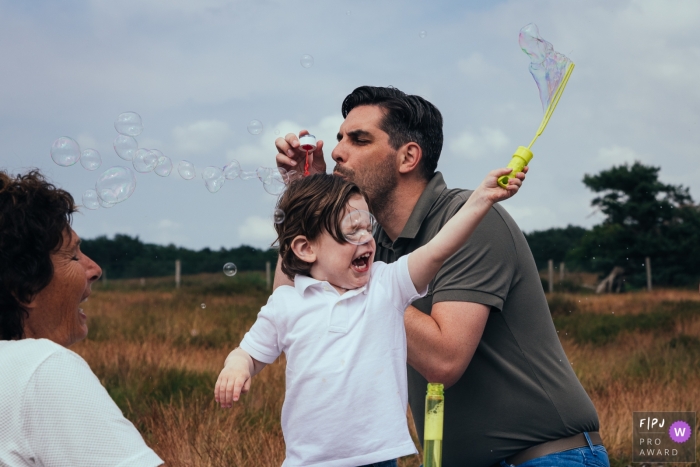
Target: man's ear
(303,249)
(410,155)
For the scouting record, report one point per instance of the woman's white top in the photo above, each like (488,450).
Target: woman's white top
(55,412)
(346,392)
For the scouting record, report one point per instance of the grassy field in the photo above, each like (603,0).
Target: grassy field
(158,352)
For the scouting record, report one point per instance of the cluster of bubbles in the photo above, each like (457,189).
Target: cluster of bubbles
(358,227)
(65,151)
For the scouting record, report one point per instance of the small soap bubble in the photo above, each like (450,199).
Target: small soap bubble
(194,332)
(255,127)
(358,227)
(232,170)
(248,174)
(348,12)
(186,170)
(213,179)
(422,34)
(276,181)
(115,185)
(307,61)
(128,123)
(90,200)
(230,269)
(65,151)
(203,305)
(164,165)
(125,146)
(277,131)
(90,159)
(145,160)
(278,216)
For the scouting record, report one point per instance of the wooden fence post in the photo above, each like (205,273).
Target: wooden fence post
(550,264)
(178,269)
(562,268)
(647,263)
(267,274)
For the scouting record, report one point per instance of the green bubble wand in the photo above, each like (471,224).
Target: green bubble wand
(551,71)
(432,432)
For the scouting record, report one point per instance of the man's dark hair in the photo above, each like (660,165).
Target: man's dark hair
(311,205)
(34,214)
(407,119)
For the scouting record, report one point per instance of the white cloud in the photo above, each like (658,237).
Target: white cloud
(617,155)
(480,144)
(257,231)
(201,136)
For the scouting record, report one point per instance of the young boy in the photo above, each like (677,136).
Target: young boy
(341,324)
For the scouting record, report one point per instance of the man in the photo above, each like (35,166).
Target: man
(484,329)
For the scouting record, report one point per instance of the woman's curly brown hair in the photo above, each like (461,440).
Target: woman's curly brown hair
(33,216)
(311,205)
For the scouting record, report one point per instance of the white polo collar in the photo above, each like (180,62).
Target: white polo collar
(301,283)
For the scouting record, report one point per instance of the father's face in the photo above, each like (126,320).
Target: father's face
(364,156)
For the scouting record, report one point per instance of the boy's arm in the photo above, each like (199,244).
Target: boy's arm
(425,262)
(234,379)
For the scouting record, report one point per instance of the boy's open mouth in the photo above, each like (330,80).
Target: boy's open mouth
(361,263)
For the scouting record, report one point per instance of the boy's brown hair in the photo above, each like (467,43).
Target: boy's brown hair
(311,205)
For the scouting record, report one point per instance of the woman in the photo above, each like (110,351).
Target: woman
(54,410)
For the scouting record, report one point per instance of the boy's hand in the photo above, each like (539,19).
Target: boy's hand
(233,381)
(290,156)
(491,191)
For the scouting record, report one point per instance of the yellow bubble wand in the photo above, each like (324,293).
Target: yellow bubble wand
(544,57)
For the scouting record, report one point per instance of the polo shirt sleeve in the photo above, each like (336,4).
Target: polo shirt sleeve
(262,341)
(70,419)
(402,289)
(482,270)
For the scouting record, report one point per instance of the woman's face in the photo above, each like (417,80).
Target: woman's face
(55,312)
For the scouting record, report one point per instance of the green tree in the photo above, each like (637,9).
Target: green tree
(554,244)
(643,218)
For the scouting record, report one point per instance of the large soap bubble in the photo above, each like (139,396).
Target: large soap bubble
(65,151)
(547,66)
(145,160)
(213,179)
(358,227)
(115,185)
(186,170)
(128,123)
(90,200)
(90,159)
(276,181)
(232,170)
(164,166)
(255,127)
(125,146)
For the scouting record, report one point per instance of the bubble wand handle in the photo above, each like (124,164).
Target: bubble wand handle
(523,155)
(434,418)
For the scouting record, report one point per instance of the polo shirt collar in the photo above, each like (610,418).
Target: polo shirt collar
(430,194)
(301,283)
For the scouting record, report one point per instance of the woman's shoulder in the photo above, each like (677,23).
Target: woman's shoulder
(23,357)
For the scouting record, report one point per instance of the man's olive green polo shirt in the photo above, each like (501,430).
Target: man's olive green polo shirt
(519,389)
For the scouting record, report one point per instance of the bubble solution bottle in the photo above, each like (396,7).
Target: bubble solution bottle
(434,416)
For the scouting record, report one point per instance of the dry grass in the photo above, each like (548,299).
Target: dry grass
(159,352)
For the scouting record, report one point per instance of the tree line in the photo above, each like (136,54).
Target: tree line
(127,257)
(643,218)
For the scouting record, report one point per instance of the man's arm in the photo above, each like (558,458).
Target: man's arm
(441,345)
(280,277)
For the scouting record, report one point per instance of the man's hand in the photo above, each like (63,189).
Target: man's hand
(290,156)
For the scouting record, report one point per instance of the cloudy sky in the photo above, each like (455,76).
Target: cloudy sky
(198,71)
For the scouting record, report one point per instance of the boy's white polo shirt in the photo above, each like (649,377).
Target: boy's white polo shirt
(346,394)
